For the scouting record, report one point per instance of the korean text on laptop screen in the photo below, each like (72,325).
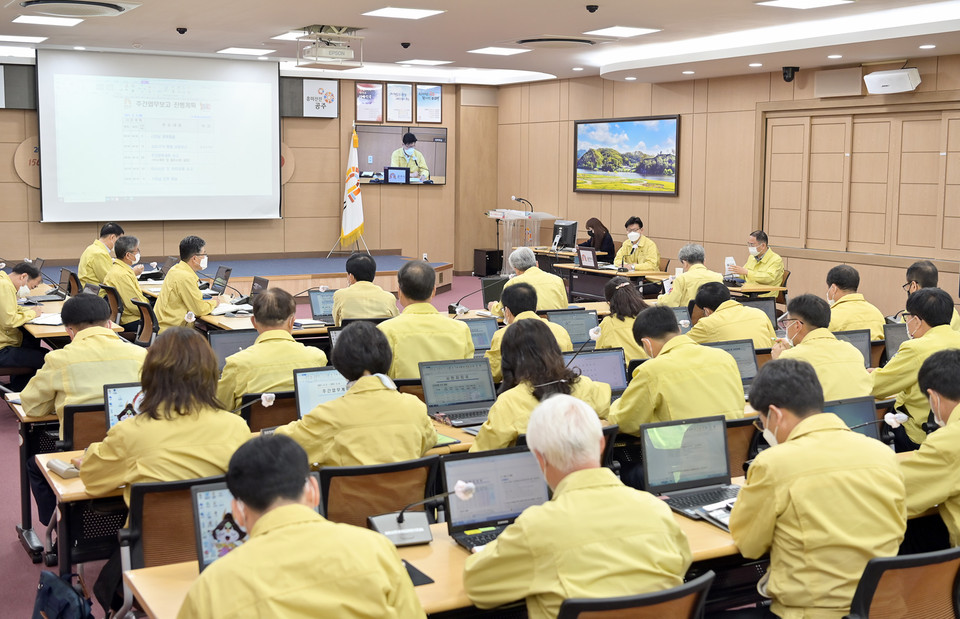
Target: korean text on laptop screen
(856,411)
(507,482)
(482,330)
(220,280)
(860,338)
(119,402)
(746,358)
(607,366)
(216,530)
(682,313)
(321,303)
(226,343)
(457,382)
(685,454)
(894,335)
(315,386)
(577,324)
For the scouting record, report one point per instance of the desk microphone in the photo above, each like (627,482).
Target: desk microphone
(582,346)
(456,308)
(523,201)
(896,418)
(415,529)
(266,400)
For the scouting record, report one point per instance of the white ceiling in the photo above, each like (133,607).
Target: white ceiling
(710,37)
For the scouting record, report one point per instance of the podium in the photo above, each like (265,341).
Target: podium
(520,229)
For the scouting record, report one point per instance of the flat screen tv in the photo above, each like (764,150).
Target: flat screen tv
(627,155)
(376,145)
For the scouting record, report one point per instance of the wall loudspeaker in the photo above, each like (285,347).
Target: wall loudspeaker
(888,82)
(838,83)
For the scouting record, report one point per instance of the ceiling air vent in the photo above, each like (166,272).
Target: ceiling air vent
(73,8)
(556,42)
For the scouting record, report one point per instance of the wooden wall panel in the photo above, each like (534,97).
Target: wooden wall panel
(585,97)
(729,186)
(544,166)
(16,242)
(509,103)
(675,98)
(544,101)
(253,236)
(15,202)
(476,184)
(741,92)
(632,99)
(13,126)
(213,232)
(398,217)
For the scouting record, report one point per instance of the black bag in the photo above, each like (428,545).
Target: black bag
(57,598)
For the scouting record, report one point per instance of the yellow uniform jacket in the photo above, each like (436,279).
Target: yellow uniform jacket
(121,276)
(493,355)
(839,365)
(421,333)
(179,295)
(617,333)
(733,321)
(687,284)
(644,255)
(12,316)
(363,300)
(852,311)
(551,291)
(95,261)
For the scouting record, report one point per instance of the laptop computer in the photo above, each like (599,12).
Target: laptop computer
(607,365)
(491,288)
(685,463)
(315,386)
(55,294)
(225,343)
(482,330)
(577,324)
(160,272)
(120,402)
(334,334)
(459,392)
(894,334)
(682,314)
(508,481)
(860,338)
(219,285)
(856,411)
(259,285)
(745,356)
(321,305)
(767,304)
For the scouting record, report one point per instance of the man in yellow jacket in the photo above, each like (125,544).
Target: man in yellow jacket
(520,303)
(764,266)
(18,348)
(362,298)
(848,309)
(839,365)
(409,157)
(76,374)
(420,332)
(694,275)
(551,292)
(122,275)
(924,274)
(317,568)
(268,365)
(179,293)
(594,538)
(928,326)
(638,252)
(724,319)
(822,500)
(95,260)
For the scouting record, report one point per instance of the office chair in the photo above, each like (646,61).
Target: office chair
(82,424)
(919,586)
(664,264)
(74,288)
(114,301)
(283,411)
(782,295)
(740,440)
(687,600)
(149,326)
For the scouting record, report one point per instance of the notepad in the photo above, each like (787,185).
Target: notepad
(443,439)
(49,320)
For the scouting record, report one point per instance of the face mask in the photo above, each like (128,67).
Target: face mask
(633,236)
(23,291)
(408,152)
(647,348)
(787,335)
(589,232)
(769,435)
(910,333)
(753,251)
(936,414)
(136,258)
(203,263)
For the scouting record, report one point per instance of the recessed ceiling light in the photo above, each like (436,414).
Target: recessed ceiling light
(688,72)
(246,51)
(263,58)
(928,46)
(406,66)
(17,52)
(621,32)
(630,79)
(755,64)
(9,38)
(499,51)
(293,35)
(46,21)
(428,63)
(402,13)
(80,49)
(803,4)
(835,56)
(577,69)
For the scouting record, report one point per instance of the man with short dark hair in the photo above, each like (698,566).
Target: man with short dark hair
(268,365)
(420,332)
(180,293)
(848,309)
(76,373)
(317,568)
(928,326)
(839,365)
(551,291)
(638,252)
(123,276)
(725,319)
(694,275)
(410,157)
(924,274)
(520,303)
(822,500)
(764,266)
(18,348)
(95,260)
(362,298)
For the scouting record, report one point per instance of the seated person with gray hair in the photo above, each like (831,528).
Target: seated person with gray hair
(694,275)
(551,293)
(595,538)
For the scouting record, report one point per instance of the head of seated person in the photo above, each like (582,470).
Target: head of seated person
(530,354)
(109,233)
(522,259)
(842,280)
(625,299)
(565,435)
(274,309)
(927,308)
(710,296)
(179,375)
(758,243)
(84,311)
(804,314)
(361,268)
(417,282)
(361,350)
(193,251)
(937,380)
(517,299)
(654,327)
(127,249)
(784,393)
(921,274)
(691,254)
(25,277)
(268,472)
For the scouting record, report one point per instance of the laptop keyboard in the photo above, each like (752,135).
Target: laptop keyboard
(699,499)
(466,417)
(477,539)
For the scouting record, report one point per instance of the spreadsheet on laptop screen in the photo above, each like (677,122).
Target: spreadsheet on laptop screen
(457,383)
(482,330)
(506,484)
(603,365)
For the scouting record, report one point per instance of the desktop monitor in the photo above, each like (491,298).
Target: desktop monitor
(226,343)
(219,285)
(768,305)
(259,285)
(564,234)
(860,338)
(491,288)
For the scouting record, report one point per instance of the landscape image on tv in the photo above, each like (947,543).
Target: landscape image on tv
(630,155)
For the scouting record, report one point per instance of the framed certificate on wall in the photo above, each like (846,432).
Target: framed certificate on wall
(370,102)
(429,104)
(399,103)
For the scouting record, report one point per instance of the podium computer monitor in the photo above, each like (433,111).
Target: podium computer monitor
(564,234)
(491,288)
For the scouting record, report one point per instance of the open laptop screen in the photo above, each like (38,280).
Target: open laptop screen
(315,386)
(321,304)
(685,454)
(220,280)
(225,343)
(216,530)
(259,285)
(168,264)
(482,330)
(744,354)
(860,338)
(457,382)
(894,335)
(768,305)
(64,285)
(577,324)
(491,287)
(119,402)
(856,411)
(682,314)
(606,365)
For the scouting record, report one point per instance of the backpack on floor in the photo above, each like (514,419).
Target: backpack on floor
(58,598)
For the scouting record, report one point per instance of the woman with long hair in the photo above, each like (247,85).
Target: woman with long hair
(600,238)
(616,330)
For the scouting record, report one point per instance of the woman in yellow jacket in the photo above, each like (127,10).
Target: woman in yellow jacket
(533,370)
(616,330)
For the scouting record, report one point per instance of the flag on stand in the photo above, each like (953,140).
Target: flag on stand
(351,220)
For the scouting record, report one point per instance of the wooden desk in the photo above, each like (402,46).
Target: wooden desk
(602,308)
(466,440)
(589,283)
(42,332)
(754,290)
(547,259)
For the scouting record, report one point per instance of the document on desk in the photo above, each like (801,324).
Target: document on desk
(49,320)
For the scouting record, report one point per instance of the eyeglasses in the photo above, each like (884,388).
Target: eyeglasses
(784,323)
(906,316)
(758,425)
(906,287)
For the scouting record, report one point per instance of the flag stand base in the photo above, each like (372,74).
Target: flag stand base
(359,240)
